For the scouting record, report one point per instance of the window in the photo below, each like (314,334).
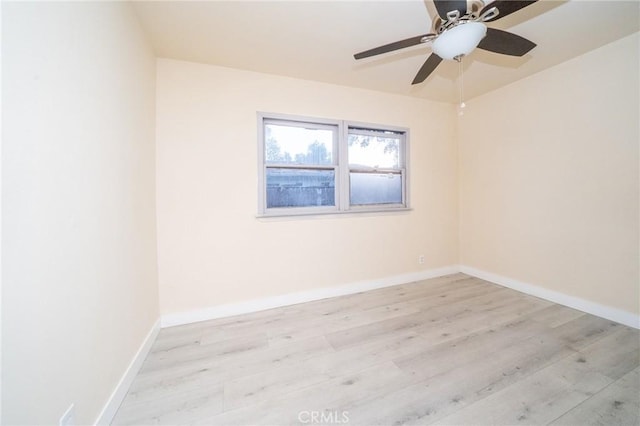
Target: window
(314,166)
(376,173)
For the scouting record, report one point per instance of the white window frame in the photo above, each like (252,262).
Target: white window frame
(340,165)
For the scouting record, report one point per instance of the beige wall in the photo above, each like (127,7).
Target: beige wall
(213,250)
(549,186)
(79,263)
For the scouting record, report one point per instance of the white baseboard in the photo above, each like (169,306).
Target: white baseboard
(627,318)
(623,317)
(220,311)
(117,396)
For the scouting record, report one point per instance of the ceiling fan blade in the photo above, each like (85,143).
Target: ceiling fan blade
(444,6)
(392,46)
(506,7)
(506,43)
(427,68)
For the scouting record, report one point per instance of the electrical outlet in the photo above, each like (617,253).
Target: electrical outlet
(421,259)
(69,417)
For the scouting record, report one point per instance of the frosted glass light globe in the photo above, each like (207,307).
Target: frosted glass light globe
(459,40)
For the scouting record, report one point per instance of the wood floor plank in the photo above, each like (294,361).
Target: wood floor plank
(456,386)
(536,399)
(556,315)
(584,330)
(191,353)
(617,404)
(279,381)
(437,309)
(615,354)
(469,348)
(335,323)
(172,408)
(182,377)
(323,397)
(356,335)
(481,316)
(443,295)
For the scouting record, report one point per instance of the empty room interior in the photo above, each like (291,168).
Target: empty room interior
(320,212)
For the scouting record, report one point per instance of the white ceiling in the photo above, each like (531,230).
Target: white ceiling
(316,40)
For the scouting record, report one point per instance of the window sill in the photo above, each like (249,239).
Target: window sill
(334,213)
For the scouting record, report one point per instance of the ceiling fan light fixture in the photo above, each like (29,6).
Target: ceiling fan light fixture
(460,40)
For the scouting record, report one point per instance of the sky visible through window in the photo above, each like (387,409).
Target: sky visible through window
(290,144)
(374,151)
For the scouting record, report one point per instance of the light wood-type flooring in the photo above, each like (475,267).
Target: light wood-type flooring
(453,350)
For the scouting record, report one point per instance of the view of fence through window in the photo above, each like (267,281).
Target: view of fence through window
(302,167)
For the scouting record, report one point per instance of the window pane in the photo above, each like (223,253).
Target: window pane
(300,188)
(297,145)
(375,188)
(375,152)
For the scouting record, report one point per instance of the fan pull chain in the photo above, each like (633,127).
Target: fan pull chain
(461,105)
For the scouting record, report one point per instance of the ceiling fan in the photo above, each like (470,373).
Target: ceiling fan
(458,29)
